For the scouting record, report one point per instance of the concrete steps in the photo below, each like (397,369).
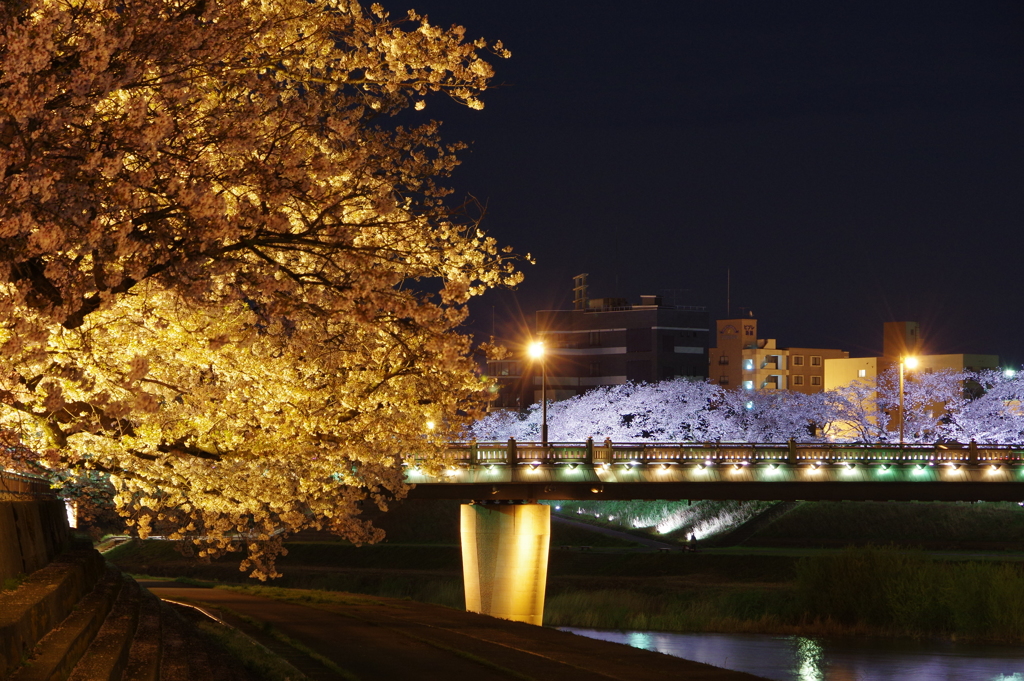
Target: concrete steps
(80,619)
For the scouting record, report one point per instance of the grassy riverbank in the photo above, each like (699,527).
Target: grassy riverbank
(858,591)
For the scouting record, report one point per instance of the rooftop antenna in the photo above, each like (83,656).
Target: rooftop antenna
(728,293)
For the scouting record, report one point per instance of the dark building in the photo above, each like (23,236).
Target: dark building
(607,341)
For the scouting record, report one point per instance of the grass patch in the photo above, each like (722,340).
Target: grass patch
(857,591)
(929,525)
(12,583)
(256,659)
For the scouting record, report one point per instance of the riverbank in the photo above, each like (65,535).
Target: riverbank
(355,637)
(893,595)
(852,592)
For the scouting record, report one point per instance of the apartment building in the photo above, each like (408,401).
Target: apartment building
(742,360)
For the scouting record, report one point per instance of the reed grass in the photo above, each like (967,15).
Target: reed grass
(858,591)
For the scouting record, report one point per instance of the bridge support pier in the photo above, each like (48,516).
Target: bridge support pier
(505,559)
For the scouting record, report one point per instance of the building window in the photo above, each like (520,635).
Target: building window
(798,360)
(815,380)
(748,385)
(798,380)
(748,365)
(595,368)
(815,361)
(723,380)
(723,359)
(862,373)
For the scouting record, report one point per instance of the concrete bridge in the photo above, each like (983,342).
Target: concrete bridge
(505,532)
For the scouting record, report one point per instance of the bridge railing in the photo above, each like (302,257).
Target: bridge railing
(677,453)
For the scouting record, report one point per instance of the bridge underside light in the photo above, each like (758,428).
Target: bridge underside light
(775,466)
(535,465)
(886,466)
(995,466)
(702,466)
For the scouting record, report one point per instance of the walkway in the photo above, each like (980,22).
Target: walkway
(371,639)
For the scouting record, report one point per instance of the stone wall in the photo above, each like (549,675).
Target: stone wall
(33,526)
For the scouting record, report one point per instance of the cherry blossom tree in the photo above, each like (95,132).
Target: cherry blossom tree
(940,406)
(229,276)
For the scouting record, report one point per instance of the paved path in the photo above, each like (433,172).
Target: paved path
(381,639)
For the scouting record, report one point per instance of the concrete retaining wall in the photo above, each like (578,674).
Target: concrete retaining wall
(32,533)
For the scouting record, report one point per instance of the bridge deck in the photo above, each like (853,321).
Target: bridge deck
(506,471)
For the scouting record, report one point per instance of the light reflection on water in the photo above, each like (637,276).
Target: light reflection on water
(798,658)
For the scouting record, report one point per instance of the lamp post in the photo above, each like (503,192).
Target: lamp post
(908,363)
(537,352)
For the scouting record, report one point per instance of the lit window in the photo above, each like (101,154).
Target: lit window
(815,380)
(798,380)
(748,385)
(798,360)
(815,361)
(748,365)
(862,373)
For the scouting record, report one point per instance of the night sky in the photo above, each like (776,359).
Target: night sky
(850,163)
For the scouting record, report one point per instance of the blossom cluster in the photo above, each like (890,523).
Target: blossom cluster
(987,407)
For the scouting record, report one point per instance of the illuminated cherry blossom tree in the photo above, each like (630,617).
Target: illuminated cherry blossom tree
(229,277)
(940,407)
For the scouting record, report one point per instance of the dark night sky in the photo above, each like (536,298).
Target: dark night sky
(851,163)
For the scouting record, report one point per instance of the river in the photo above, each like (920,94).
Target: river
(798,658)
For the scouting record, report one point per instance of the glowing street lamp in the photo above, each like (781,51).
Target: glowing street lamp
(909,363)
(536,351)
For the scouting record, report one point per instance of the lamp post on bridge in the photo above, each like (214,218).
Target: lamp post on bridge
(536,351)
(908,363)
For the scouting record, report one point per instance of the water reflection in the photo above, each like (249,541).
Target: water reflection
(798,658)
(808,657)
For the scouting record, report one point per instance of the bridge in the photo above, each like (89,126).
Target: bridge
(506,533)
(738,471)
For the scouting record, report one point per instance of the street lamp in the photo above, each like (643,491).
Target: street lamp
(536,351)
(909,363)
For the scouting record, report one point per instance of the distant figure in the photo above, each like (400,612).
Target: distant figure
(691,543)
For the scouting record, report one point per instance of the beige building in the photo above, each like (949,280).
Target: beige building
(742,360)
(901,339)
